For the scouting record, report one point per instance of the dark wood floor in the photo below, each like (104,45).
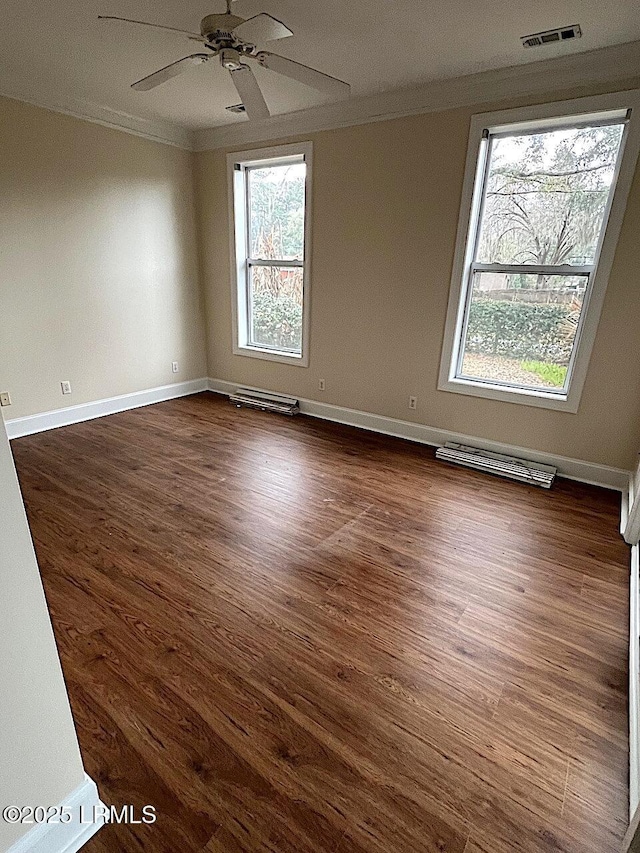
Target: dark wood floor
(292,636)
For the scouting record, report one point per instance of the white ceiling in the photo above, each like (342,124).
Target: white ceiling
(58,48)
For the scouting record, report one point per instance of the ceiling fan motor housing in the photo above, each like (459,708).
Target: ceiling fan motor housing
(220,26)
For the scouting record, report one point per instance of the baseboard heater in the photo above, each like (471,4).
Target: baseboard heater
(496,463)
(267,402)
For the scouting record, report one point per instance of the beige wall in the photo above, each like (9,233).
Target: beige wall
(386,204)
(40,762)
(99,278)
(98,263)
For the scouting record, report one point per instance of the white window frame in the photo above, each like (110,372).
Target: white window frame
(237,165)
(542,116)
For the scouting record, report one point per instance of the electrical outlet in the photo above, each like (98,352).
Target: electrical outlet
(5,398)
(174,366)
(413,402)
(321,385)
(65,387)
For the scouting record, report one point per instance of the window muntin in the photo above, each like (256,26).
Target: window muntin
(539,213)
(270,221)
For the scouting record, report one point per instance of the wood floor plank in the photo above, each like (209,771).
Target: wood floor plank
(291,636)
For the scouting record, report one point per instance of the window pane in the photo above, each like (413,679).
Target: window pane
(276,212)
(546,195)
(276,308)
(521,328)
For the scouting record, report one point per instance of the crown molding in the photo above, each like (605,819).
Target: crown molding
(155,130)
(604,65)
(535,78)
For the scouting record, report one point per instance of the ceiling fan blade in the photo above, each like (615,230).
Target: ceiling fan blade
(169,71)
(197,36)
(250,93)
(261,28)
(303,74)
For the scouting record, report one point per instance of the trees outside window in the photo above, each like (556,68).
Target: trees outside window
(276,200)
(536,211)
(545,197)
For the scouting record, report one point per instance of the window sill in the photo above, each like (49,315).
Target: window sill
(272,355)
(562,402)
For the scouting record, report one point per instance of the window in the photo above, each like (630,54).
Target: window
(270,222)
(543,203)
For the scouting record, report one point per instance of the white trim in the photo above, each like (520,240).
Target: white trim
(271,355)
(627,501)
(17,427)
(634,684)
(631,519)
(571,469)
(630,529)
(593,67)
(66,837)
(237,224)
(153,129)
(524,396)
(477,159)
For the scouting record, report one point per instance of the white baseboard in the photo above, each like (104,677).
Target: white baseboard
(66,837)
(17,427)
(572,469)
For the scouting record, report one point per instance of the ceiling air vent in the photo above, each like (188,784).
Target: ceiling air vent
(236,108)
(550,36)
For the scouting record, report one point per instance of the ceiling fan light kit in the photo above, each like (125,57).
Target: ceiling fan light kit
(233,40)
(230,59)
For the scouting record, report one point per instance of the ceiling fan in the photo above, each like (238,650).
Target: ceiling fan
(234,40)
